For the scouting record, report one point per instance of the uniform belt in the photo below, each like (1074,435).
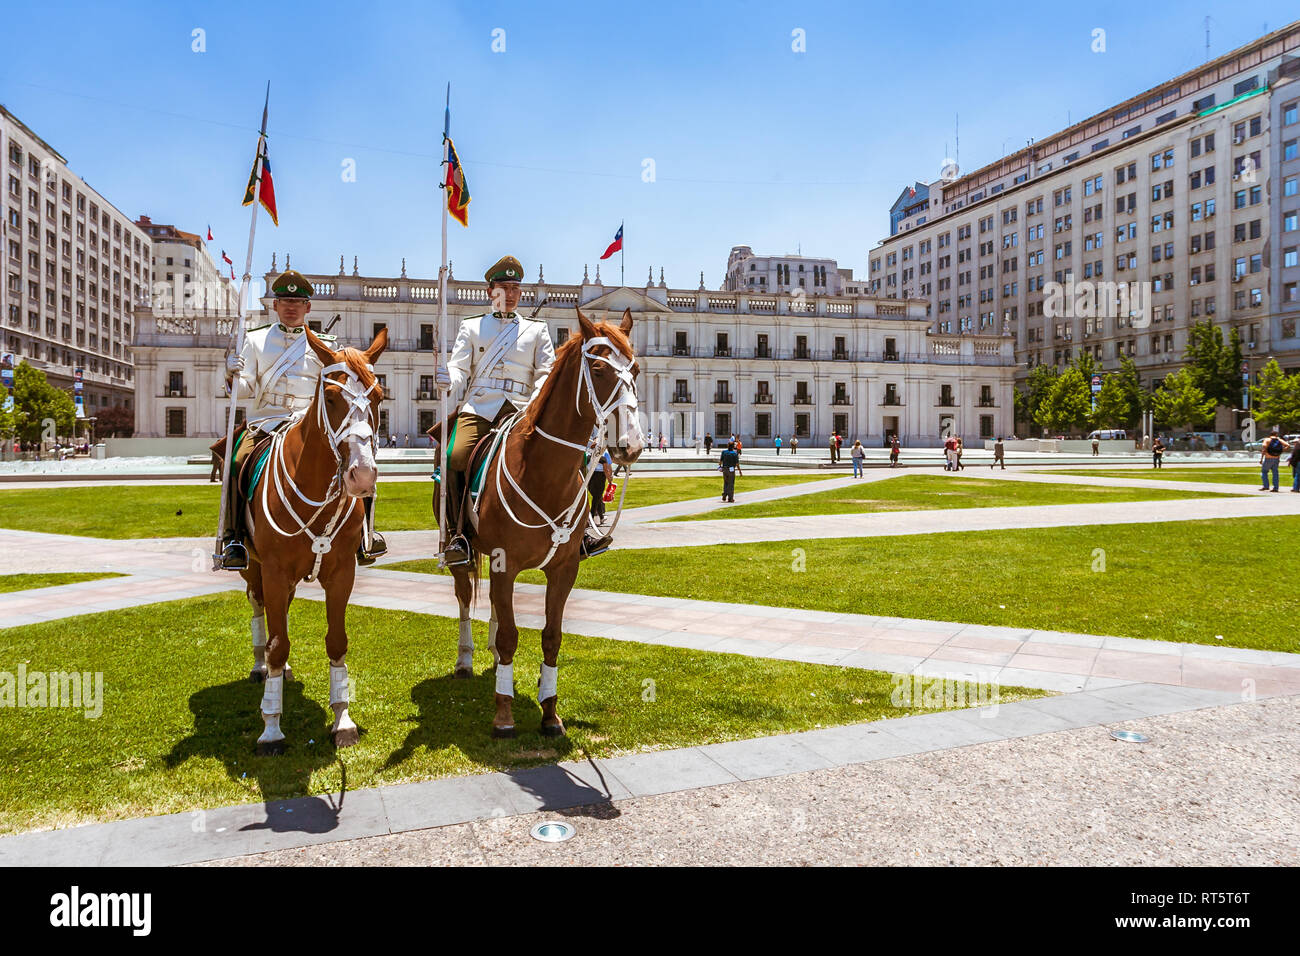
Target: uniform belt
(502,385)
(285,400)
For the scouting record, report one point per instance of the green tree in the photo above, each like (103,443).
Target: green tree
(1276,399)
(1113,405)
(1066,406)
(36,402)
(1180,401)
(1215,366)
(1040,381)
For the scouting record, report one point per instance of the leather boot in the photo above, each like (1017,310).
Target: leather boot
(378,547)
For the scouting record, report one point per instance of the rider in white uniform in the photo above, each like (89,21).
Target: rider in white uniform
(279,372)
(497,365)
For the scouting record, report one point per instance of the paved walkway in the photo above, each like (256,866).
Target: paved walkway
(856,750)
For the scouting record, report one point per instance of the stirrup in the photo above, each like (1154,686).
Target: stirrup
(234,556)
(456,553)
(378,548)
(594,546)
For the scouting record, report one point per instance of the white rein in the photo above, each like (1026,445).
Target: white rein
(357,425)
(564,524)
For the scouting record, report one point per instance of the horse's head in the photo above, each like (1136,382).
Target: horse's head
(611,361)
(349,400)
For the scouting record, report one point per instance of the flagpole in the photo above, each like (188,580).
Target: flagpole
(620,255)
(443,458)
(239,334)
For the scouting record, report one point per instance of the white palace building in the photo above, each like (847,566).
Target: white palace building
(758,363)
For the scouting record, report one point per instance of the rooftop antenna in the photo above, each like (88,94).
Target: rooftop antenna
(1207,39)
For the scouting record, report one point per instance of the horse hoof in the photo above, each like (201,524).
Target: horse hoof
(553,730)
(346,738)
(503,733)
(257,675)
(463,673)
(273,748)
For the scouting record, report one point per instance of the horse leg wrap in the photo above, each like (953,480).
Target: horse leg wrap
(548,683)
(506,679)
(272,706)
(465,645)
(258,628)
(340,696)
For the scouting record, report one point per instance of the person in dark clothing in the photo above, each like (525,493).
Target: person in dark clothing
(894,449)
(1157,452)
(730,465)
(600,477)
(708,444)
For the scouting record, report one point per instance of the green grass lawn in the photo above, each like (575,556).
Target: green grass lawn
(27,582)
(930,492)
(190,511)
(1173,581)
(1233,475)
(180,720)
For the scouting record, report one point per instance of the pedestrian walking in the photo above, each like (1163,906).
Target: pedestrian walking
(950,454)
(894,450)
(663,443)
(708,444)
(600,477)
(794,444)
(1270,456)
(834,447)
(730,467)
(778,444)
(999,454)
(1294,462)
(1096,447)
(1157,452)
(857,453)
(961,447)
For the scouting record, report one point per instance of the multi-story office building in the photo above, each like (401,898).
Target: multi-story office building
(186,279)
(1184,197)
(75,267)
(747,272)
(757,364)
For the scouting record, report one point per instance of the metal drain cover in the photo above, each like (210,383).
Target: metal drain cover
(553,831)
(1129,736)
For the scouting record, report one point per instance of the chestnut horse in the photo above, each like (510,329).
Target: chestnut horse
(305,522)
(533,510)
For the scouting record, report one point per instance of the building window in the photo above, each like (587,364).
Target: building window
(722,424)
(762,425)
(175,423)
(801,425)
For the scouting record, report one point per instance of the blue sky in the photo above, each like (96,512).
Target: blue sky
(752,142)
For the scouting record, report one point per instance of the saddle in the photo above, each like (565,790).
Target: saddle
(464,494)
(251,470)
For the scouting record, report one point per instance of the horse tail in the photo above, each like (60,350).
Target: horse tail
(475,569)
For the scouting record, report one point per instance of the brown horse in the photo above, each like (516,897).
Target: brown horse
(305,522)
(532,511)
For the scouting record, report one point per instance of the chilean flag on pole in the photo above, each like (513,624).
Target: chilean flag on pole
(616,245)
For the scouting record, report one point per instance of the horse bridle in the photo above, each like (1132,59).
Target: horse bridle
(357,425)
(562,527)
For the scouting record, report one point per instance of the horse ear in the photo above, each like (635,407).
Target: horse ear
(588,329)
(626,325)
(320,348)
(377,346)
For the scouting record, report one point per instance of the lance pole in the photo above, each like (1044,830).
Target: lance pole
(238,332)
(443,457)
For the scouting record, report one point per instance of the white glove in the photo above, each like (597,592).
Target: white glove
(234,365)
(442,378)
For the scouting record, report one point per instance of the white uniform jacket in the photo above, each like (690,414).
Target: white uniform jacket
(280,374)
(517,370)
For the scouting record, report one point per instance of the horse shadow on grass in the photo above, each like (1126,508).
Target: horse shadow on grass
(227,723)
(457,712)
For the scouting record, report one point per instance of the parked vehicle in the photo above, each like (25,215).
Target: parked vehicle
(1109,434)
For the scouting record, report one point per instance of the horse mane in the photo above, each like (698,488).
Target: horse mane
(564,356)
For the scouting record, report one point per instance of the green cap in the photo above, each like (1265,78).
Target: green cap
(505,269)
(291,285)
